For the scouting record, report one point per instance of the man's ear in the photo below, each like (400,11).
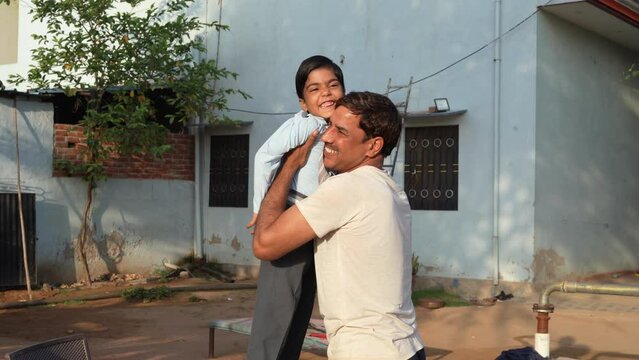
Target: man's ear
(303,105)
(375,147)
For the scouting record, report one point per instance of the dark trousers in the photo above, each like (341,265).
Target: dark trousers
(420,355)
(285,296)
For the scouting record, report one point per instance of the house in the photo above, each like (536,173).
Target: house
(528,178)
(129,220)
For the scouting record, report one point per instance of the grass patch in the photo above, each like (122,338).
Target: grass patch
(195,298)
(74,302)
(162,274)
(147,295)
(451,300)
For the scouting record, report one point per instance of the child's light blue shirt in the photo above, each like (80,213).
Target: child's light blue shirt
(290,135)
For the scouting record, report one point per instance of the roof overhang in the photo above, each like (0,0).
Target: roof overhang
(616,20)
(13,94)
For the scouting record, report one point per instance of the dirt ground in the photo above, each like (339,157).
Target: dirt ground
(582,326)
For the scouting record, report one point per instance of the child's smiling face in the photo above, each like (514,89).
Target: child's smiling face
(321,90)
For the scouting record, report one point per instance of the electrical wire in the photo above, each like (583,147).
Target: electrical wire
(427,76)
(27,3)
(472,53)
(262,113)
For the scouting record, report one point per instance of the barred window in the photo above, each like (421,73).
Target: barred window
(228,185)
(431,167)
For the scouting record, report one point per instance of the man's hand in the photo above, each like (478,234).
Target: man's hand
(296,158)
(279,231)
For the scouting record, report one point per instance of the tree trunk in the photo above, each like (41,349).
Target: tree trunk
(84,230)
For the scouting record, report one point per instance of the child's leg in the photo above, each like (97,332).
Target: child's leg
(280,293)
(294,339)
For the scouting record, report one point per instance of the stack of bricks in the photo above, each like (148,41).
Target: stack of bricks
(177,164)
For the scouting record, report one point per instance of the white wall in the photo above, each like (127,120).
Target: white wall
(138,223)
(225,237)
(587,197)
(377,40)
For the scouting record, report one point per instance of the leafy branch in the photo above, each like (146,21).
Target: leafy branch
(114,54)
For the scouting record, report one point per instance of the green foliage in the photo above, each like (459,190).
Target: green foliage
(195,298)
(451,300)
(74,302)
(163,274)
(113,52)
(415,264)
(147,295)
(633,71)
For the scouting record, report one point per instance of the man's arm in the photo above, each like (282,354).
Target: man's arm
(280,230)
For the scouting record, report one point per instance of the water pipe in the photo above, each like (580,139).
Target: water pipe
(544,307)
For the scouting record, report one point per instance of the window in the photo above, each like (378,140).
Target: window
(9,32)
(431,167)
(228,186)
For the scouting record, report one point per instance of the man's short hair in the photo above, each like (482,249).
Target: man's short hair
(378,116)
(313,63)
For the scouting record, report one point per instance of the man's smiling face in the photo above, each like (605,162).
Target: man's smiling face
(346,146)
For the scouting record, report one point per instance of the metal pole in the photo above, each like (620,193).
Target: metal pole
(577,287)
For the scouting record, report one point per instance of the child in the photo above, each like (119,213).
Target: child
(286,287)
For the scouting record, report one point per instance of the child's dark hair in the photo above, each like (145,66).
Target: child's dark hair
(310,64)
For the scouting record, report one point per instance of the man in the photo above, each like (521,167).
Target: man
(361,220)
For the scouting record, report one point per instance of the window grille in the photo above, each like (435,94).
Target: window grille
(228,186)
(11,260)
(431,167)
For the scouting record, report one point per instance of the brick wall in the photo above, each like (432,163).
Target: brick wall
(178,164)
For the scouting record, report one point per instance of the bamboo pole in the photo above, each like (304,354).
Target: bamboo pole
(20,210)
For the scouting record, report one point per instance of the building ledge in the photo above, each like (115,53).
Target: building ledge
(425,115)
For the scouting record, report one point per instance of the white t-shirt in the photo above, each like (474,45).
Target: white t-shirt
(363,265)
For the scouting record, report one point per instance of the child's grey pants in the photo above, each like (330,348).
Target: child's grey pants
(285,296)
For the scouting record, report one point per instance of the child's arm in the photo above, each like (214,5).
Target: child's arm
(251,223)
(291,134)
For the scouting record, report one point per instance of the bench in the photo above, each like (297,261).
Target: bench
(315,338)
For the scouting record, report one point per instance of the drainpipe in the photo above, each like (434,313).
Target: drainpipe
(544,308)
(197,241)
(496,122)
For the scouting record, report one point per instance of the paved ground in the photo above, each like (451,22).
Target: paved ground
(582,327)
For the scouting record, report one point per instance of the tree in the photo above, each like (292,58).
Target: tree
(115,53)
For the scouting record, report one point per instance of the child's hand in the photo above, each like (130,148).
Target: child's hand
(251,224)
